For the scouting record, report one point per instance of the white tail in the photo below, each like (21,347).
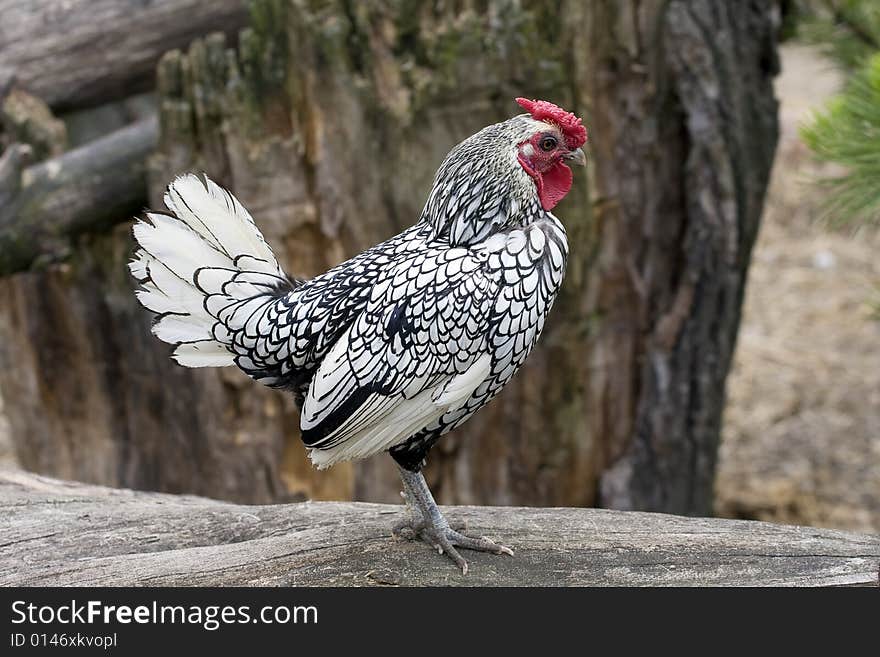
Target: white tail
(209,256)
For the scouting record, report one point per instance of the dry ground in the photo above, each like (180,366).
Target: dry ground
(801,439)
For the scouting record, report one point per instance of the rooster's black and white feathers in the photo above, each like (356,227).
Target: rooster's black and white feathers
(390,349)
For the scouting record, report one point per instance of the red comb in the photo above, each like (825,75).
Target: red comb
(542,110)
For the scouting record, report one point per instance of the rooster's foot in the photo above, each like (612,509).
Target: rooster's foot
(427,523)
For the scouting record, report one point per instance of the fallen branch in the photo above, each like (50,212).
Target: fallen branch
(63,533)
(80,53)
(45,206)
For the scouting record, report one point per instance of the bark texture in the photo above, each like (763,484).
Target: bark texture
(57,533)
(85,52)
(684,123)
(24,118)
(328,122)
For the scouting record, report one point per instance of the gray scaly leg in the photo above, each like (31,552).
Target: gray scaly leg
(427,523)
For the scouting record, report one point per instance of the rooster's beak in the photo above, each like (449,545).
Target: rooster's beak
(577,156)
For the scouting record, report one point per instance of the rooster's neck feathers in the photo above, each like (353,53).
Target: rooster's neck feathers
(481,189)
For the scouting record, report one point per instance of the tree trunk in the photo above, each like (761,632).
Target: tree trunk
(329,123)
(680,99)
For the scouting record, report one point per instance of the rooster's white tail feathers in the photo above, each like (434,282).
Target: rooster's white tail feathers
(202,269)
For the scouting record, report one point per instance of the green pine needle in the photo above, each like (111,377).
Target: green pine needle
(848,133)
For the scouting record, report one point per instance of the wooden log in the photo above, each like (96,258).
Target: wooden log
(59,533)
(85,52)
(86,189)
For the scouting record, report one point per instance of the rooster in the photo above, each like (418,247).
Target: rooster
(395,347)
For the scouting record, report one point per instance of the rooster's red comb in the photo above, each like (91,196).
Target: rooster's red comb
(542,110)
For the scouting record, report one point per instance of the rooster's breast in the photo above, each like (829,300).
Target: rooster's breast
(528,264)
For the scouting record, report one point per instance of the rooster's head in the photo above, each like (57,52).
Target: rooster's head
(508,173)
(555,141)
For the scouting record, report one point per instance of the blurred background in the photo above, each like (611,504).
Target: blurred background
(716,347)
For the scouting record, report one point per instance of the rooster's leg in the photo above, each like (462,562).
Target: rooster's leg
(411,527)
(428,523)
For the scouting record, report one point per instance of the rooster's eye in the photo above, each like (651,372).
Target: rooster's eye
(548,143)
